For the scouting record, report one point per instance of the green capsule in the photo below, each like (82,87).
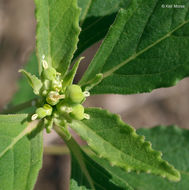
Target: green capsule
(74,93)
(53,98)
(49,73)
(78,112)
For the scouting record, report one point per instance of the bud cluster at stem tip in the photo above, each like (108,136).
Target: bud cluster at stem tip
(59,104)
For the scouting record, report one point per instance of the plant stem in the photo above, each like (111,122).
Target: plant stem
(19,107)
(60,150)
(56,150)
(77,153)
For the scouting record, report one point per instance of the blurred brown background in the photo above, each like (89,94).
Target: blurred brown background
(17,40)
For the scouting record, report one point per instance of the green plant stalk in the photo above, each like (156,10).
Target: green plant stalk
(19,107)
(76,151)
(61,150)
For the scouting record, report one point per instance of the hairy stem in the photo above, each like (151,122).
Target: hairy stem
(19,107)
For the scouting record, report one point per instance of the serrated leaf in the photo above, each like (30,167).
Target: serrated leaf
(173,142)
(107,180)
(20,153)
(34,82)
(57,32)
(130,152)
(74,186)
(146,48)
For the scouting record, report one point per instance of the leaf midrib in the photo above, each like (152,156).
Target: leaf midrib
(27,130)
(108,73)
(88,128)
(149,74)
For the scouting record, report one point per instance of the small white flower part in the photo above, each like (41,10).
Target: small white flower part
(86,116)
(63,108)
(34,117)
(62,96)
(69,109)
(45,64)
(86,93)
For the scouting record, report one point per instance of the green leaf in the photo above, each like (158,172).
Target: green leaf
(146,48)
(25,92)
(34,82)
(173,142)
(69,77)
(57,32)
(74,186)
(98,8)
(96,80)
(95,20)
(20,153)
(107,180)
(93,30)
(130,152)
(85,6)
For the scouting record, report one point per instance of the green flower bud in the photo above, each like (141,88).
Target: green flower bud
(45,88)
(41,113)
(46,85)
(49,73)
(74,93)
(48,109)
(53,98)
(78,112)
(63,107)
(56,85)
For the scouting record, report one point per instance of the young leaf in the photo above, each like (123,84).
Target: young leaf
(25,92)
(173,142)
(57,32)
(68,79)
(20,153)
(130,152)
(34,82)
(146,48)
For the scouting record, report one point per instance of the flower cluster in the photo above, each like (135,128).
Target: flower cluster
(60,103)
